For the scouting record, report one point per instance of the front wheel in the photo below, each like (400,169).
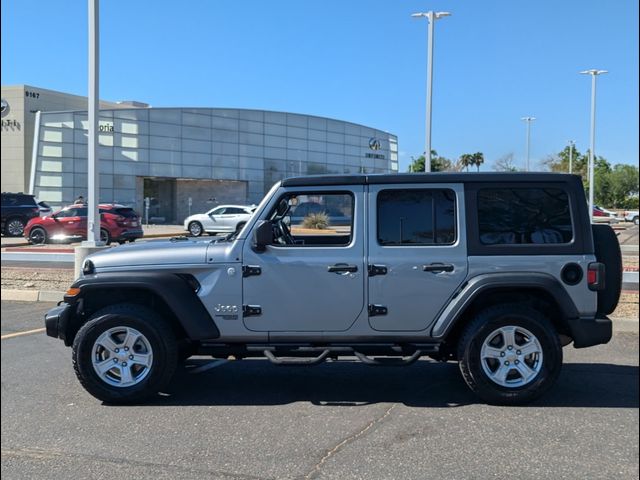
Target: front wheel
(510,355)
(38,236)
(195,229)
(124,354)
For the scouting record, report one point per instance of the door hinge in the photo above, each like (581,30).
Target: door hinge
(376,310)
(251,310)
(251,270)
(377,270)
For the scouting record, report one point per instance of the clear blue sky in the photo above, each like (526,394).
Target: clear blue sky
(358,60)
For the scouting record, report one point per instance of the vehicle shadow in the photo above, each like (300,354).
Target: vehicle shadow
(423,384)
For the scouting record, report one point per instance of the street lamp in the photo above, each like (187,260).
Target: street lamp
(431,17)
(572,144)
(592,144)
(528,120)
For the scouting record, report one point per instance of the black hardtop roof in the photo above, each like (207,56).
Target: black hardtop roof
(438,177)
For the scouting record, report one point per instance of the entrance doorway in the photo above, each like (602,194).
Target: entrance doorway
(162,199)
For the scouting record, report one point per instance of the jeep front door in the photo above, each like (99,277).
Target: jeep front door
(417,253)
(311,277)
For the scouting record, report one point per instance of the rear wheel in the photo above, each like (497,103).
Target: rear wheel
(105,236)
(38,236)
(124,354)
(195,229)
(240,226)
(510,355)
(15,227)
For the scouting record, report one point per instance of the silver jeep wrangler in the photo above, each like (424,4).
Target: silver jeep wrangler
(495,271)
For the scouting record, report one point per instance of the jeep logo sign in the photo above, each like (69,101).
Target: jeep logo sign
(374,143)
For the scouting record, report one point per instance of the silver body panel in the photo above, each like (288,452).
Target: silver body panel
(302,301)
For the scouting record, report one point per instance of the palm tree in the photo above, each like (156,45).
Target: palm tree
(466,159)
(478,159)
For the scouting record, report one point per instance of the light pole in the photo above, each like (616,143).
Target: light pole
(592,144)
(93,216)
(571,145)
(528,120)
(431,17)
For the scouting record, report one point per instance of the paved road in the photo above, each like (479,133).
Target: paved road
(248,419)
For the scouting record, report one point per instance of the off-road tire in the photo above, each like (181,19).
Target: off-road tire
(156,330)
(607,249)
(486,322)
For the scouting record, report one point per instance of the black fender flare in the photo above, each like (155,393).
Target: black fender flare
(476,286)
(174,290)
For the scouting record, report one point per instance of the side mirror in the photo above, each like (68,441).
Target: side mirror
(262,235)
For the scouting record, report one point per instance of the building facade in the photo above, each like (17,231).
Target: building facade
(20,103)
(187,160)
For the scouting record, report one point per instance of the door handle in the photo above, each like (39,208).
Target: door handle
(438,268)
(342,268)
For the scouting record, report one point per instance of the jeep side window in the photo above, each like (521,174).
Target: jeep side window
(314,219)
(516,216)
(416,217)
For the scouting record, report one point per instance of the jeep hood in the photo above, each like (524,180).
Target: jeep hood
(161,253)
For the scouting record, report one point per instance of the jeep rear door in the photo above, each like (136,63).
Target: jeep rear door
(417,253)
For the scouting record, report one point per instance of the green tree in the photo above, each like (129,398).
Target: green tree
(478,159)
(615,187)
(624,186)
(438,163)
(466,160)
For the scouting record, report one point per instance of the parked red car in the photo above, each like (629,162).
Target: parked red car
(117,223)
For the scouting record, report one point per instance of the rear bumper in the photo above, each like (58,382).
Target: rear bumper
(129,234)
(589,331)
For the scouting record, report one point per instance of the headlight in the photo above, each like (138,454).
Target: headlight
(88,267)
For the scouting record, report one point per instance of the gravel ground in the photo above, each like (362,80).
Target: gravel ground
(30,279)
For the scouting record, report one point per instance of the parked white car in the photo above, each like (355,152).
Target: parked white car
(221,219)
(632,216)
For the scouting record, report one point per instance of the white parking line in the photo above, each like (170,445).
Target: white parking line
(21,334)
(209,366)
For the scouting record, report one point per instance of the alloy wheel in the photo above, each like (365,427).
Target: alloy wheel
(122,356)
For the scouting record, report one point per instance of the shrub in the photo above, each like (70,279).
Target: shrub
(318,221)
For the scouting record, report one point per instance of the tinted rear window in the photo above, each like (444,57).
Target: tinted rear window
(516,216)
(416,217)
(17,200)
(126,212)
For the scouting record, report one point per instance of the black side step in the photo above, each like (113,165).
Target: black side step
(388,361)
(296,361)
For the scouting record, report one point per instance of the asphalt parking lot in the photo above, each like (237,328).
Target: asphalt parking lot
(248,419)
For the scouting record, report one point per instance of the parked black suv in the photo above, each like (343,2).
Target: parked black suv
(17,210)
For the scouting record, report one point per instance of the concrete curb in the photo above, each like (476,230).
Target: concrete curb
(31,295)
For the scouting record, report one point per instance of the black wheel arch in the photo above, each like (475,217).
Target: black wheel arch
(173,296)
(540,292)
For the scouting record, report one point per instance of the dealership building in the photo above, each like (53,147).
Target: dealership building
(183,159)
